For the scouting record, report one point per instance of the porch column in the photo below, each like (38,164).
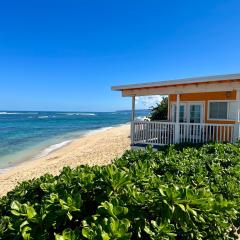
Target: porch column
(132,119)
(236,133)
(177,127)
(168,114)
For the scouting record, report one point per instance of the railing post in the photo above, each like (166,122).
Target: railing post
(132,119)
(236,132)
(177,126)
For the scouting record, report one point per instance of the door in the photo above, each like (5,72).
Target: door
(196,113)
(182,113)
(195,116)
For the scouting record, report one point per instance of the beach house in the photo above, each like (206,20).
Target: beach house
(201,109)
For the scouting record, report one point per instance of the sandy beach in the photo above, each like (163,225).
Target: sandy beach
(94,148)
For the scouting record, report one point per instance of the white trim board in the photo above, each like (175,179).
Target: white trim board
(181,89)
(213,78)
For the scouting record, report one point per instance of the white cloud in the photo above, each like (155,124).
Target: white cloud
(137,100)
(148,101)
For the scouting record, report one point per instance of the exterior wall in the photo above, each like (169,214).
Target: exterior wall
(205,97)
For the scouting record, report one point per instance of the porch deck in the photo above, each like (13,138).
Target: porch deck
(164,133)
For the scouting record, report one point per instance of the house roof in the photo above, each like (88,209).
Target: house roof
(184,81)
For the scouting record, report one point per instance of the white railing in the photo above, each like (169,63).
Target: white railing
(204,132)
(164,133)
(155,133)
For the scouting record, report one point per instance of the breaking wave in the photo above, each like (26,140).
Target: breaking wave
(80,114)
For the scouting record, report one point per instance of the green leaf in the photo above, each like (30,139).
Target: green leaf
(26,233)
(15,205)
(105,236)
(31,213)
(88,233)
(182,207)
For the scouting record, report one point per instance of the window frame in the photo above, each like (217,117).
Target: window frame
(219,119)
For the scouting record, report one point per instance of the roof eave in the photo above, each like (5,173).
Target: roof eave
(178,82)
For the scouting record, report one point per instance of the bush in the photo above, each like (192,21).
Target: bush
(160,111)
(174,193)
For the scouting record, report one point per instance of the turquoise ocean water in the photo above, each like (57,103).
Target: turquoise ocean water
(27,135)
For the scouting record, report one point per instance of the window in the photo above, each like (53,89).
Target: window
(181,113)
(195,113)
(218,110)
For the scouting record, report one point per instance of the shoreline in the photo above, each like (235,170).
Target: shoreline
(96,147)
(40,152)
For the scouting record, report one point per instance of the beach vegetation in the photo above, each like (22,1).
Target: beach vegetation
(178,192)
(160,111)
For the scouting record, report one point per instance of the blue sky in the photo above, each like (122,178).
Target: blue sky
(65,55)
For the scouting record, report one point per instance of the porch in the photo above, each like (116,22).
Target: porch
(200,110)
(163,133)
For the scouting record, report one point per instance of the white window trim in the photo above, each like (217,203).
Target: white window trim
(219,119)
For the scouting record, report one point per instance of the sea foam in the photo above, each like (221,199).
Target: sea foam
(8,113)
(52,148)
(17,113)
(80,114)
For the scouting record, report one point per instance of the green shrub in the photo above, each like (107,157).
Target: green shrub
(160,111)
(174,193)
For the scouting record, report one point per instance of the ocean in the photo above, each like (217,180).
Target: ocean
(29,135)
